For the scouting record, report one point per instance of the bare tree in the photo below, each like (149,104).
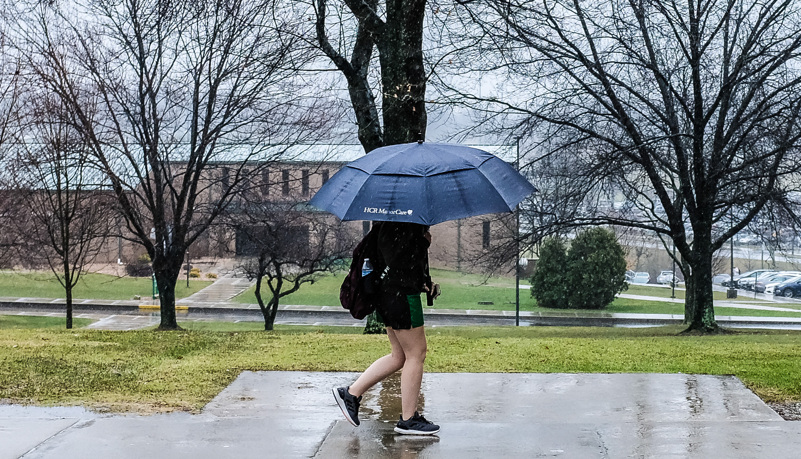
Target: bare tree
(10,89)
(283,247)
(161,91)
(9,83)
(388,102)
(689,110)
(63,213)
(395,30)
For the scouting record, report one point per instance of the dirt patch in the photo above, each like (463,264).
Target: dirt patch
(789,411)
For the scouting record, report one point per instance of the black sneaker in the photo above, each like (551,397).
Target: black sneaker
(349,404)
(416,425)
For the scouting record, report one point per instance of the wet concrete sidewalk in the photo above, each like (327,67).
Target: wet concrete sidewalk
(293,415)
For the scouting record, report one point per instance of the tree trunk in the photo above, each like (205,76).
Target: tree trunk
(67,279)
(402,72)
(689,295)
(68,291)
(267,311)
(699,306)
(272,309)
(166,278)
(363,103)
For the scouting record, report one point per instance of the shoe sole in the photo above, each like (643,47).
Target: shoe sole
(415,432)
(342,407)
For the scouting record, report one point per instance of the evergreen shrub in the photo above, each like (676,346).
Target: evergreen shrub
(596,269)
(549,281)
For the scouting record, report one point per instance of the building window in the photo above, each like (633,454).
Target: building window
(304,182)
(325,176)
(265,182)
(485,235)
(285,182)
(365,228)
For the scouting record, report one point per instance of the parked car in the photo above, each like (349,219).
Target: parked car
(721,279)
(665,277)
(641,277)
(746,281)
(759,285)
(774,278)
(629,275)
(747,238)
(770,287)
(788,289)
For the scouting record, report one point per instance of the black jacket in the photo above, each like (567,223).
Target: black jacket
(405,251)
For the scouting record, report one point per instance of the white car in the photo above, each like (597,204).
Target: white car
(641,277)
(665,277)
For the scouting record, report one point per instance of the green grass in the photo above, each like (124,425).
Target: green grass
(90,286)
(626,305)
(29,322)
(666,292)
(465,291)
(151,371)
(462,291)
(459,291)
(739,312)
(257,325)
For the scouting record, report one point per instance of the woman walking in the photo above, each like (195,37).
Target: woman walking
(404,247)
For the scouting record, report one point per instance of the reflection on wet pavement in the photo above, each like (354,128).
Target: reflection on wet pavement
(407,446)
(383,402)
(562,415)
(374,439)
(293,415)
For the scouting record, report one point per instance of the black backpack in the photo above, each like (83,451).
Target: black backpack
(358,294)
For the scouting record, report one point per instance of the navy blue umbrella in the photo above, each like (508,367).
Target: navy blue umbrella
(425,183)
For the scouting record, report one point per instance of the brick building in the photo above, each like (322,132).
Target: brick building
(292,183)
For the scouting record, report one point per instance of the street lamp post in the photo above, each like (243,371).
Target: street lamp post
(673,278)
(517,244)
(731,292)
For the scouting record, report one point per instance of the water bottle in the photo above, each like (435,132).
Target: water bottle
(367,267)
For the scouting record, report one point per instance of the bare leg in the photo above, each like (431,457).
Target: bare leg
(413,343)
(381,368)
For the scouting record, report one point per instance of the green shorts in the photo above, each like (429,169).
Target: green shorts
(401,312)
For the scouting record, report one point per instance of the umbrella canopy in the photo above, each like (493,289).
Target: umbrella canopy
(425,183)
